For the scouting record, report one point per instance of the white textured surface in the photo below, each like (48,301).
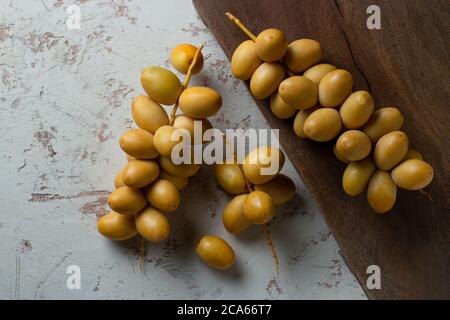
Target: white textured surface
(65,99)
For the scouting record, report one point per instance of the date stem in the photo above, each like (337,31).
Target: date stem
(185,83)
(271,246)
(241,26)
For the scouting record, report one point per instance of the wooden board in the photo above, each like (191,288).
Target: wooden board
(405,64)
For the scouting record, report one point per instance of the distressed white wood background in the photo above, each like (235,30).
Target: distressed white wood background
(65,99)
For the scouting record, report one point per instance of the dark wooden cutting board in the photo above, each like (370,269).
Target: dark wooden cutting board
(405,64)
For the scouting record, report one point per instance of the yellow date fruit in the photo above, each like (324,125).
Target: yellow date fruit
(271,45)
(163,195)
(334,87)
(353,145)
(115,226)
(299,92)
(148,114)
(200,102)
(259,207)
(357,109)
(281,189)
(126,200)
(230,178)
(184,122)
(317,72)
(162,85)
(179,182)
(299,122)
(118,182)
(140,173)
(181,170)
(245,61)
(339,156)
(266,79)
(413,174)
(381,192)
(357,175)
(233,218)
(165,140)
(413,154)
(138,143)
(383,121)
(152,225)
(182,56)
(390,150)
(263,164)
(302,54)
(215,252)
(323,124)
(281,109)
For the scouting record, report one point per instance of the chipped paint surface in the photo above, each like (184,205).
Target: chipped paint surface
(65,98)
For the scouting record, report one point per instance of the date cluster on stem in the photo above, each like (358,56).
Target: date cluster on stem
(320,98)
(148,187)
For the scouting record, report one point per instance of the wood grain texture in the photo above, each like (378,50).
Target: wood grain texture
(405,64)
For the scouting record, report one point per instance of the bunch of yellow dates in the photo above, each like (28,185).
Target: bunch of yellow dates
(149,185)
(320,97)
